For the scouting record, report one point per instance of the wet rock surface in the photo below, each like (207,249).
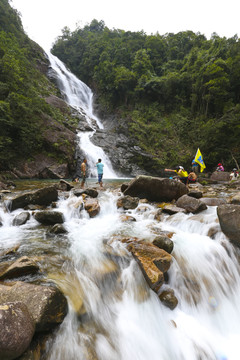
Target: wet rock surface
(229,218)
(191,204)
(155,189)
(91,206)
(16,329)
(46,304)
(169,299)
(48,217)
(127,202)
(21,218)
(20,267)
(153,262)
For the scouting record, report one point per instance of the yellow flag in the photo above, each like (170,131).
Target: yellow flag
(199,159)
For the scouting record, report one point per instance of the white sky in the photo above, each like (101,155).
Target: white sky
(44,19)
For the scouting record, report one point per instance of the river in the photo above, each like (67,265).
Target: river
(113,314)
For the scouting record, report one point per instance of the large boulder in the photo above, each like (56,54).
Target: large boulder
(42,196)
(48,217)
(220,176)
(46,304)
(20,267)
(229,219)
(16,329)
(153,262)
(155,189)
(191,204)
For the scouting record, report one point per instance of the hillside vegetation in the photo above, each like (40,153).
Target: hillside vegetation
(175,92)
(24,86)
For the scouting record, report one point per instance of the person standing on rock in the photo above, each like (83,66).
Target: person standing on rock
(83,172)
(100,171)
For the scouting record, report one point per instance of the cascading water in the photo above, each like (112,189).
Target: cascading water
(113,315)
(80,97)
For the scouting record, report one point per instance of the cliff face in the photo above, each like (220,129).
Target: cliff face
(38,131)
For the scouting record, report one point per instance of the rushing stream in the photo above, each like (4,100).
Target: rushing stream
(113,315)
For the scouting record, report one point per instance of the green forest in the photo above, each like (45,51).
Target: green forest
(23,89)
(174,92)
(170,93)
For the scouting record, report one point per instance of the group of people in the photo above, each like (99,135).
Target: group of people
(183,175)
(234,175)
(191,177)
(83,175)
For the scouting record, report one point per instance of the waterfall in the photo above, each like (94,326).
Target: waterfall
(80,97)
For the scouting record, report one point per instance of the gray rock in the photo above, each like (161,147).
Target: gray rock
(229,219)
(127,202)
(191,204)
(156,189)
(90,192)
(195,193)
(46,304)
(172,209)
(163,242)
(16,329)
(213,201)
(48,217)
(168,298)
(21,218)
(220,176)
(42,196)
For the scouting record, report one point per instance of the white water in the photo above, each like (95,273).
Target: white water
(79,96)
(124,319)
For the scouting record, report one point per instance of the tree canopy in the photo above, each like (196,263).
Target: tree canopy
(177,92)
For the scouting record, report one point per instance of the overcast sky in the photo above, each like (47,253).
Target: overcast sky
(44,19)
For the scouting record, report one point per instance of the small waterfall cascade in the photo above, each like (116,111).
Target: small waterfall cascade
(113,314)
(80,97)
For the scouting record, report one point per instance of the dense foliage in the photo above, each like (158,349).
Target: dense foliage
(22,91)
(177,92)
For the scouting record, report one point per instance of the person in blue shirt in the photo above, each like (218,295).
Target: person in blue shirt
(100,171)
(195,167)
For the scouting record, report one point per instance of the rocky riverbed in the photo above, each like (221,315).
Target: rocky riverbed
(38,284)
